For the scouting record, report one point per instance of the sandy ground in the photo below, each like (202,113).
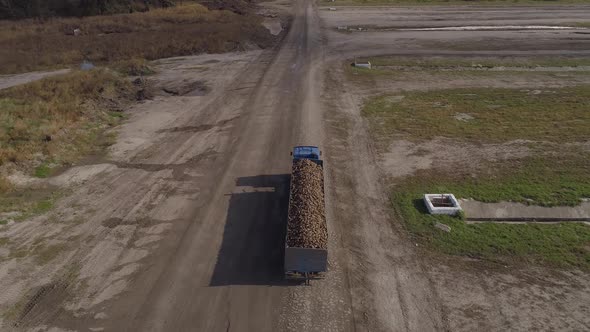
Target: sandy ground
(181,227)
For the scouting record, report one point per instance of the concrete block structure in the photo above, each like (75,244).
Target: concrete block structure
(442,204)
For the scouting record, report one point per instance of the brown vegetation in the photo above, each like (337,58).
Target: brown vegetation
(16,9)
(58,119)
(134,67)
(191,29)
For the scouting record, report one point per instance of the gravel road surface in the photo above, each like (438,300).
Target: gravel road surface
(182,227)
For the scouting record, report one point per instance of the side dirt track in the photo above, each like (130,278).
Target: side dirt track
(182,226)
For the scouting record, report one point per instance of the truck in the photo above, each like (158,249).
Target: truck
(301,262)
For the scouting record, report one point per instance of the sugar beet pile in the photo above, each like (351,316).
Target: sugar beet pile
(307,222)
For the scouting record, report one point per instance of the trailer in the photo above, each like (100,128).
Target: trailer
(305,263)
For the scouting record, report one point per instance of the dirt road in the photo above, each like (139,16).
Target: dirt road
(223,270)
(181,228)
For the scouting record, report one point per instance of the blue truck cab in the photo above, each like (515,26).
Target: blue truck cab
(312,153)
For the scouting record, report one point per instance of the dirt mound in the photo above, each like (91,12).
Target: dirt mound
(307,221)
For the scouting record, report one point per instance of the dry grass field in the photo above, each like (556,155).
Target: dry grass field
(57,119)
(35,44)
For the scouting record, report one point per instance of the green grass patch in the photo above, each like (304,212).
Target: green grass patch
(26,203)
(117,115)
(43,170)
(475,62)
(565,244)
(432,74)
(358,71)
(494,115)
(556,178)
(534,180)
(115,118)
(43,206)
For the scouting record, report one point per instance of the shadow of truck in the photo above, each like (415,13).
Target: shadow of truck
(253,242)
